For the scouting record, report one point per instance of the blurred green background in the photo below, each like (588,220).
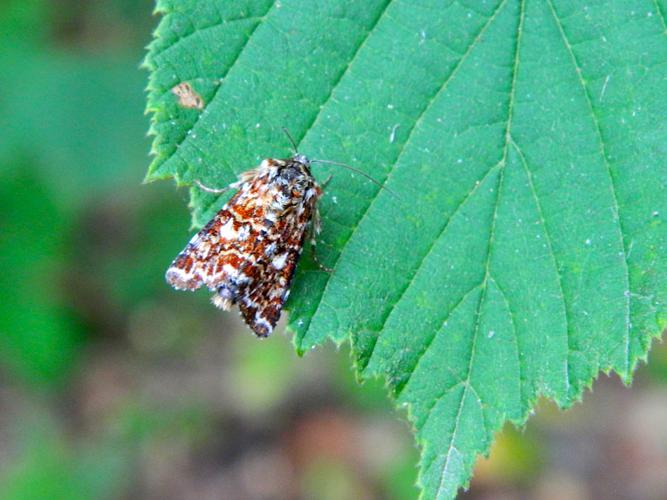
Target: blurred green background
(114,386)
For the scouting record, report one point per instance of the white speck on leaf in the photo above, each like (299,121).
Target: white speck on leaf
(604,87)
(392,135)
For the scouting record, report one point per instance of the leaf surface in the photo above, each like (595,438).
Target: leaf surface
(519,247)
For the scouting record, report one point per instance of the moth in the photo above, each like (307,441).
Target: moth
(248,252)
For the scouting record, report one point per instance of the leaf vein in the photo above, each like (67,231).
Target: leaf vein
(399,389)
(610,175)
(342,74)
(185,134)
(661,15)
(402,149)
(517,340)
(201,29)
(423,259)
(548,238)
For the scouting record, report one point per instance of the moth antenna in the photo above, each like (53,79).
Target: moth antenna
(363,174)
(291,140)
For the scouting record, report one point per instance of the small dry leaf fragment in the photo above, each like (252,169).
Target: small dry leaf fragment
(187,97)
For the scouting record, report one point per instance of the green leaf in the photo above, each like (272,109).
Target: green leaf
(525,250)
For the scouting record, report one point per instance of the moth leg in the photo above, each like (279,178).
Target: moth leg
(319,264)
(326,183)
(316,227)
(313,231)
(212,190)
(324,268)
(247,176)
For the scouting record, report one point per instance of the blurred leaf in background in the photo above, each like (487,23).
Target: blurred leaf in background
(71,156)
(80,105)
(71,116)
(39,337)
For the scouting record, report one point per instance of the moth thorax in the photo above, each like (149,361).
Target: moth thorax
(295,172)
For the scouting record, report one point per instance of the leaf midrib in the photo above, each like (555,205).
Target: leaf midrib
(487,275)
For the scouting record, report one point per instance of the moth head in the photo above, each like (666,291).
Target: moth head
(301,158)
